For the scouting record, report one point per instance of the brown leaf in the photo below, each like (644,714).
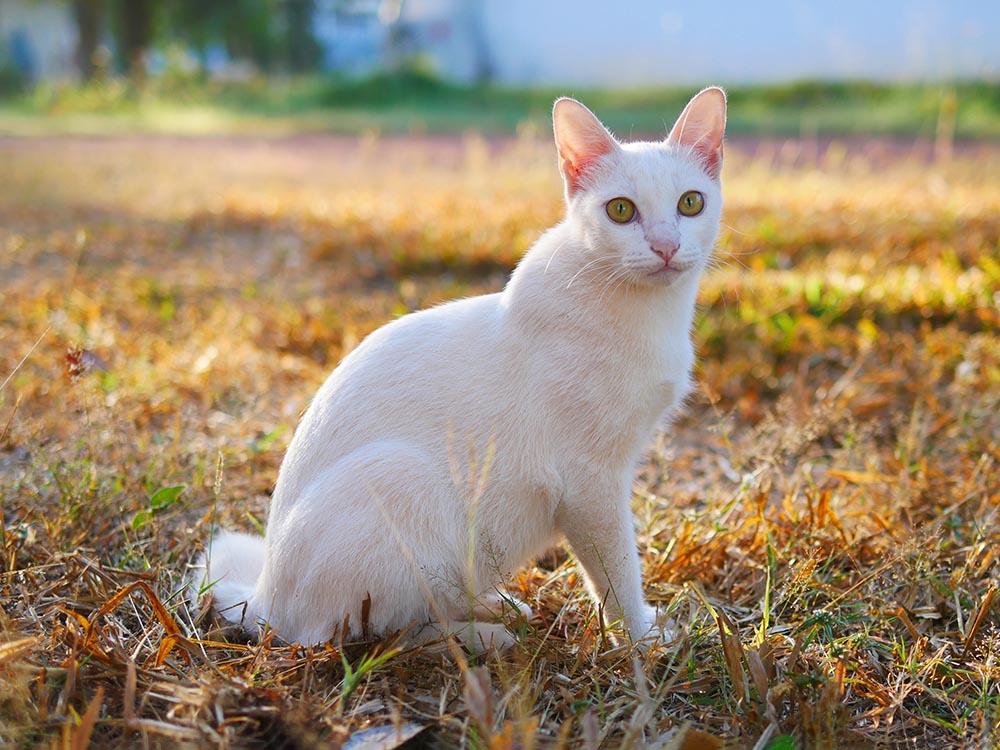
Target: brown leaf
(590,730)
(173,636)
(366,609)
(385,737)
(78,362)
(15,649)
(81,736)
(129,699)
(758,673)
(984,608)
(478,695)
(732,651)
(689,738)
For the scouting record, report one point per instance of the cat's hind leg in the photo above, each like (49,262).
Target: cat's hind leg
(481,626)
(368,542)
(493,606)
(477,637)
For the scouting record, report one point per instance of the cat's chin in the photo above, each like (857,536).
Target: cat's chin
(662,277)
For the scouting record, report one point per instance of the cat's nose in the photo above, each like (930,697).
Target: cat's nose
(665,250)
(664,240)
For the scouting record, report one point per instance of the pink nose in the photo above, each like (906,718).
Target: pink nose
(665,250)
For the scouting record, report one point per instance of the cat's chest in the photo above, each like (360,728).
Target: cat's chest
(665,394)
(659,395)
(662,373)
(632,392)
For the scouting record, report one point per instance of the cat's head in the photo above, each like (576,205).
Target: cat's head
(649,211)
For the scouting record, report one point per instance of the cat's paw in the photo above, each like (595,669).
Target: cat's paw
(652,628)
(477,637)
(514,605)
(496,607)
(483,637)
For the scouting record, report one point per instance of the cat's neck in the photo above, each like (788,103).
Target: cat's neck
(553,287)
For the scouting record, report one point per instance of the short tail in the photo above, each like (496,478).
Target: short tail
(229,570)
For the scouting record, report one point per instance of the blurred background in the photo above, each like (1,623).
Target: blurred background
(205,205)
(408,65)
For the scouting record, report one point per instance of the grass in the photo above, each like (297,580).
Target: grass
(411,102)
(823,523)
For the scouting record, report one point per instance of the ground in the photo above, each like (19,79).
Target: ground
(823,523)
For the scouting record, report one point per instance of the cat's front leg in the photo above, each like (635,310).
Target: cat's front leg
(597,522)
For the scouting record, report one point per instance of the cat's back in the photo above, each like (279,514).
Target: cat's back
(412,373)
(422,339)
(412,358)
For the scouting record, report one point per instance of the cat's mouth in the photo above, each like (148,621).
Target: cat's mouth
(663,274)
(668,271)
(664,271)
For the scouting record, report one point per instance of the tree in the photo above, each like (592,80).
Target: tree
(135,35)
(302,49)
(89,16)
(246,28)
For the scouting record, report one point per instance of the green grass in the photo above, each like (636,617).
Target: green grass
(414,102)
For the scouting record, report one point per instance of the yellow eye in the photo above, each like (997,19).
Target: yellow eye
(691,203)
(621,210)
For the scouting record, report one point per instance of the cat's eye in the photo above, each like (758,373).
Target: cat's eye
(691,203)
(620,210)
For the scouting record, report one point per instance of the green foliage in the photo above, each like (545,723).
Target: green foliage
(413,98)
(12,83)
(264,442)
(354,676)
(159,500)
(783,742)
(245,28)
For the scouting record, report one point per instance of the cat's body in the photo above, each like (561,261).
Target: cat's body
(456,443)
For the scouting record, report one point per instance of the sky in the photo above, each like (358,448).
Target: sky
(644,41)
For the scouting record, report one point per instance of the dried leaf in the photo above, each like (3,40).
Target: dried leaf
(12,650)
(81,735)
(478,695)
(732,651)
(385,737)
(984,608)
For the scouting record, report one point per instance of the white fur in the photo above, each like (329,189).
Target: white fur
(456,443)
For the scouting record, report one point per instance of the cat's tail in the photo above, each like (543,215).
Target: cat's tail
(229,570)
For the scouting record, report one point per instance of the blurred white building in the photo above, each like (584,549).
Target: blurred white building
(594,42)
(38,37)
(597,43)
(359,36)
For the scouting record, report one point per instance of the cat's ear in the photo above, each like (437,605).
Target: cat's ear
(701,127)
(580,138)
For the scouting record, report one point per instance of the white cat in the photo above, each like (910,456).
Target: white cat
(456,443)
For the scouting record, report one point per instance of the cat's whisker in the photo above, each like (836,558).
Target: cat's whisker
(722,261)
(752,251)
(733,229)
(605,285)
(733,259)
(617,277)
(559,247)
(621,279)
(586,266)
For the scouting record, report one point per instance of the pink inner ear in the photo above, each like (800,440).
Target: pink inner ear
(702,138)
(712,159)
(701,126)
(576,165)
(581,140)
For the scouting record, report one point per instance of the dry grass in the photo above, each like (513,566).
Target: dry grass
(825,524)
